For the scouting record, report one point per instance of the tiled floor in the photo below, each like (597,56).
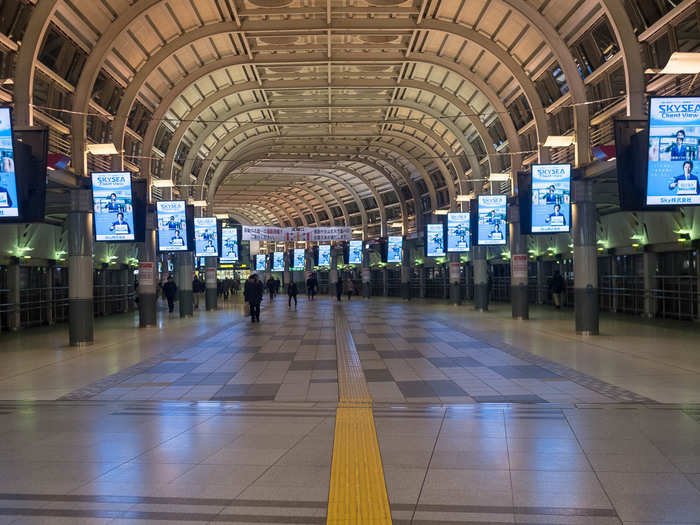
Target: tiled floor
(479,419)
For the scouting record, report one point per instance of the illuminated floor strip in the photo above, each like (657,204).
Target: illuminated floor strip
(357,489)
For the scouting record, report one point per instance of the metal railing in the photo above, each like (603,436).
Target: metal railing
(622,293)
(675,297)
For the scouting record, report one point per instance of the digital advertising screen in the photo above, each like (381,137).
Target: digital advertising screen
(112,203)
(324,254)
(172,226)
(278,262)
(672,168)
(229,245)
(434,240)
(206,242)
(260,262)
(9,202)
(394,252)
(299,262)
(355,252)
(458,232)
(551,198)
(492,222)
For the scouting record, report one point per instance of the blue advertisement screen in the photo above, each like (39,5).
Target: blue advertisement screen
(260,262)
(229,245)
(299,259)
(458,232)
(355,252)
(206,243)
(324,254)
(9,206)
(492,219)
(278,262)
(551,198)
(394,249)
(112,206)
(435,240)
(172,226)
(674,132)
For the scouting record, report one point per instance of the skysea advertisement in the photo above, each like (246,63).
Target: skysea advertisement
(278,262)
(9,206)
(551,198)
(492,219)
(112,206)
(672,169)
(355,252)
(172,226)
(229,245)
(458,233)
(324,254)
(205,237)
(394,249)
(299,262)
(260,262)
(435,240)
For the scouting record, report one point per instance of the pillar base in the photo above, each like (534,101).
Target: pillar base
(481,297)
(186,303)
(586,306)
(210,299)
(80,322)
(406,291)
(366,290)
(455,293)
(147,310)
(519,302)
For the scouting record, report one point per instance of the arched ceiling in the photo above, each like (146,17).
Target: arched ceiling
(323,111)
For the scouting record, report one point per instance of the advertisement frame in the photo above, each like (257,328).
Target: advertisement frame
(479,241)
(134,237)
(530,201)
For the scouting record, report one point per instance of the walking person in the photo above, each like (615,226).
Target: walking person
(348,287)
(170,292)
(339,288)
(557,286)
(292,291)
(253,293)
(271,288)
(196,289)
(310,288)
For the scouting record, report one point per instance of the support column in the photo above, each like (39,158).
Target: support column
(455,278)
(184,277)
(148,269)
(481,279)
(421,281)
(80,269)
(103,290)
(210,297)
(518,267)
(613,284)
(649,260)
(49,285)
(124,288)
(406,273)
(586,303)
(14,320)
(541,282)
(366,274)
(333,274)
(385,281)
(287,265)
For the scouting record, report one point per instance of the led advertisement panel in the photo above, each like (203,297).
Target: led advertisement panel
(434,240)
(278,262)
(324,254)
(394,253)
(172,226)
(355,252)
(551,198)
(206,242)
(112,203)
(9,203)
(458,232)
(299,262)
(672,168)
(229,245)
(260,262)
(491,220)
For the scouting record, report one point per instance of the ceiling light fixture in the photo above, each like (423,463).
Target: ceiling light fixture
(441,212)
(679,64)
(102,149)
(465,198)
(499,177)
(162,183)
(559,141)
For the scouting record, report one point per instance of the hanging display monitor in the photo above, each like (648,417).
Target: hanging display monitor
(434,240)
(458,232)
(9,202)
(394,252)
(492,222)
(172,226)
(324,254)
(355,252)
(278,262)
(672,168)
(112,203)
(551,198)
(260,262)
(299,262)
(206,242)
(229,245)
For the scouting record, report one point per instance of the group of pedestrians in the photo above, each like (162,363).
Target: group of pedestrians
(345,286)
(228,286)
(273,286)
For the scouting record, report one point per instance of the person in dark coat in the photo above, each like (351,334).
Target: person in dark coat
(170,292)
(558,286)
(271,288)
(339,288)
(292,291)
(253,293)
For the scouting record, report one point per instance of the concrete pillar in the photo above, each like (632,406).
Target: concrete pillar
(518,266)
(49,278)
(184,283)
(102,283)
(366,275)
(406,273)
(421,281)
(333,274)
(385,281)
(148,271)
(649,262)
(454,277)
(14,320)
(287,266)
(614,297)
(80,269)
(481,278)
(210,297)
(584,215)
(124,288)
(541,282)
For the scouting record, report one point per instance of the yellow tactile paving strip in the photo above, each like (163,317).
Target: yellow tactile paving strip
(357,488)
